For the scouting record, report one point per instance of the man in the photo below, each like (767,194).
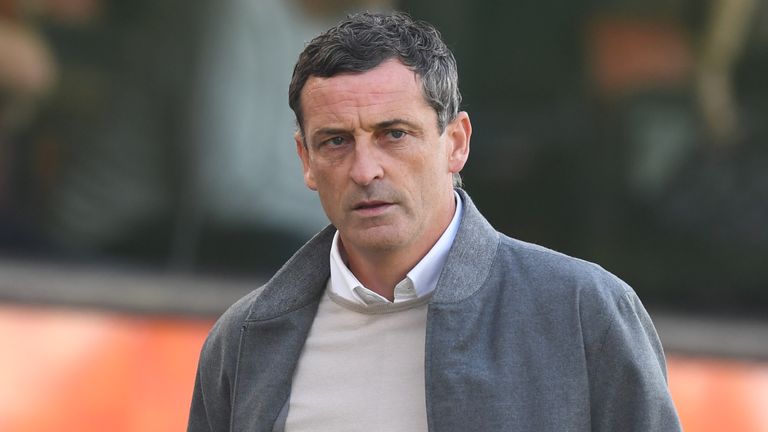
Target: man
(410,312)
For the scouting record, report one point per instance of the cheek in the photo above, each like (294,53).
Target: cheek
(324,180)
(329,205)
(328,190)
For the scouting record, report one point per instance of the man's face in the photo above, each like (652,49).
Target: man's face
(375,156)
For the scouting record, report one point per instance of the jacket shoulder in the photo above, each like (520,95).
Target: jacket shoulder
(558,274)
(619,341)
(237,313)
(559,285)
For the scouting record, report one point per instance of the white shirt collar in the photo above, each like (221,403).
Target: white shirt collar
(420,281)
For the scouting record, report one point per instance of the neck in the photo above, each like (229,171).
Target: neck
(380,274)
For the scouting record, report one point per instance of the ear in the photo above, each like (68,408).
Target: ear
(303,152)
(458,133)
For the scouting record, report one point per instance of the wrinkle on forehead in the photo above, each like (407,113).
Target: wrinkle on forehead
(334,91)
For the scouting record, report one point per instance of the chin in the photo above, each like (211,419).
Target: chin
(380,239)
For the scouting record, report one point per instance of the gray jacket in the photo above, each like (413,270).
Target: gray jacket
(519,338)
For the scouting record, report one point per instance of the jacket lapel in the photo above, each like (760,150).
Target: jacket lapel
(453,311)
(272,336)
(470,258)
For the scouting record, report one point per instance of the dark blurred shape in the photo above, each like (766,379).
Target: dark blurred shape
(27,73)
(691,183)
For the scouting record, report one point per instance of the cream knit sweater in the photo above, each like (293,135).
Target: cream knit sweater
(362,369)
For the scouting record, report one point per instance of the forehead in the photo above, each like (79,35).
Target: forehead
(391,86)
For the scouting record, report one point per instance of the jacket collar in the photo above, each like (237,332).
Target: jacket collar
(303,278)
(470,258)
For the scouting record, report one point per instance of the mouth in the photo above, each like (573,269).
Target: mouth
(371,208)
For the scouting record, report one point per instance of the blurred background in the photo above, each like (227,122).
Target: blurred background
(148,179)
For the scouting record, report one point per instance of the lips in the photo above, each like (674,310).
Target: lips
(364,205)
(371,208)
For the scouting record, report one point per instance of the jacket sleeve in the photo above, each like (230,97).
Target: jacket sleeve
(199,418)
(627,372)
(210,410)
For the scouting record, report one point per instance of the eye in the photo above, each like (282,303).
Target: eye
(396,134)
(335,141)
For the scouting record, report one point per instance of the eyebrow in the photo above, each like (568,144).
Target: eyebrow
(394,122)
(323,132)
(329,131)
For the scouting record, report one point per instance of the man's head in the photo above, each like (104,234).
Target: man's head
(364,41)
(372,145)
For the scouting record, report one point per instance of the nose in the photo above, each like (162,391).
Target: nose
(366,166)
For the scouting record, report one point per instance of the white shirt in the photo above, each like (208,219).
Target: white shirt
(420,281)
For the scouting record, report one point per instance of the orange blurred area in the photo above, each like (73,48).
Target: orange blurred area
(627,54)
(96,371)
(720,395)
